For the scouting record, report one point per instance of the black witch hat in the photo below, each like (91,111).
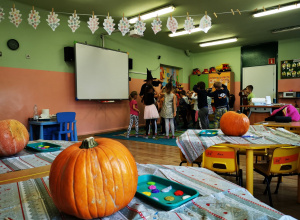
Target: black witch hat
(149,75)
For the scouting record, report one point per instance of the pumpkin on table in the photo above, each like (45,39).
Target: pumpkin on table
(95,178)
(13,137)
(234,124)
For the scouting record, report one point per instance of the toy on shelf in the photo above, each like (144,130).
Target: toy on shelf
(196,71)
(224,67)
(205,71)
(212,70)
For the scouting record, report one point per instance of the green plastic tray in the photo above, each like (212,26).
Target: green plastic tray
(34,146)
(208,133)
(160,184)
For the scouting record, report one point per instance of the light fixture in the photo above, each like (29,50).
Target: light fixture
(212,43)
(179,33)
(277,10)
(153,14)
(293,28)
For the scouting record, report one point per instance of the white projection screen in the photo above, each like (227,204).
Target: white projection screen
(101,74)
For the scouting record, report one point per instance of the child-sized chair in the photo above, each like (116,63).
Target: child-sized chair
(223,161)
(67,125)
(284,162)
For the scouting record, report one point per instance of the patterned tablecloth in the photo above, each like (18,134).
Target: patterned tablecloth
(192,145)
(220,199)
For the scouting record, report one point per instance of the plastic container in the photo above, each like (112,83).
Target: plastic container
(160,184)
(43,147)
(208,133)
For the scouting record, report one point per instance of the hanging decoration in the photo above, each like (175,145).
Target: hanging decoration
(189,24)
(156,25)
(139,27)
(93,23)
(1,14)
(53,20)
(108,24)
(124,25)
(74,22)
(15,16)
(172,24)
(205,23)
(34,18)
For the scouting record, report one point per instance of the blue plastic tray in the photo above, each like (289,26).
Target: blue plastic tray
(160,184)
(208,133)
(35,147)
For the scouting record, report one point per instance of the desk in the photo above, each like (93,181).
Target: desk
(41,125)
(192,145)
(293,126)
(259,112)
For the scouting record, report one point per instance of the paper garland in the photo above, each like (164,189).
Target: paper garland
(124,26)
(139,27)
(74,22)
(108,25)
(1,14)
(15,17)
(172,24)
(189,24)
(34,18)
(205,23)
(93,23)
(53,20)
(156,25)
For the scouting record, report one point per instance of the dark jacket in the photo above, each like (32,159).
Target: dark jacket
(202,97)
(220,97)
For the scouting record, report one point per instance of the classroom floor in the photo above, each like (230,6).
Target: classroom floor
(285,201)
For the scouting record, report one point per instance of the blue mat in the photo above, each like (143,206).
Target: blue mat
(158,139)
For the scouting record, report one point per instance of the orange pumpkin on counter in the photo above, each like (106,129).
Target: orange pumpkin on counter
(95,178)
(13,137)
(234,124)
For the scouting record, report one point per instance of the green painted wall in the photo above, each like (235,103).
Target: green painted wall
(46,47)
(214,58)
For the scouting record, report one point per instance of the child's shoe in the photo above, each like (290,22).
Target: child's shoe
(146,137)
(167,137)
(173,137)
(153,136)
(136,135)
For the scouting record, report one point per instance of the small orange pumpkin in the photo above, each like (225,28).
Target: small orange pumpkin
(95,178)
(13,137)
(234,124)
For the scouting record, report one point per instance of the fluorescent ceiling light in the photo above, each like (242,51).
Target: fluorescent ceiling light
(230,40)
(277,10)
(179,33)
(293,28)
(153,14)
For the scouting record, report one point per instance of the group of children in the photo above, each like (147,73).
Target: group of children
(166,104)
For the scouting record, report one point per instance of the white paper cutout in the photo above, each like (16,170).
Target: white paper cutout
(93,23)
(124,26)
(74,22)
(108,25)
(34,18)
(53,20)
(156,25)
(15,17)
(139,27)
(189,24)
(1,14)
(172,24)
(205,23)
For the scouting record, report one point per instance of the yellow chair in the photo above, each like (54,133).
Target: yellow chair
(257,153)
(198,161)
(223,160)
(284,162)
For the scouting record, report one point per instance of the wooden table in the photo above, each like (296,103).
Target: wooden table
(259,112)
(290,126)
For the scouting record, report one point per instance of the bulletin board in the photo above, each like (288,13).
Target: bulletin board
(290,69)
(166,72)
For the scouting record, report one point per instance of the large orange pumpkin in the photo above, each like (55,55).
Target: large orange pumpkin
(13,137)
(93,179)
(234,124)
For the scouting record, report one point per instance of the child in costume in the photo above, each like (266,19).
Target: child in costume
(202,105)
(134,113)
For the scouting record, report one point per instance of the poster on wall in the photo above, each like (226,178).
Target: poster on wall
(166,72)
(290,69)
(224,78)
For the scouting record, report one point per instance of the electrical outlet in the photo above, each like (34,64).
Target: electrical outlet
(27,56)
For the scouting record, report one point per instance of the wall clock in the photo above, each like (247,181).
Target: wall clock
(13,44)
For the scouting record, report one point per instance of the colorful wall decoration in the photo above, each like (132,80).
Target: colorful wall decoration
(166,72)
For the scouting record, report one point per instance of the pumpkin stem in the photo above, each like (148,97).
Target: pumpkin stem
(88,143)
